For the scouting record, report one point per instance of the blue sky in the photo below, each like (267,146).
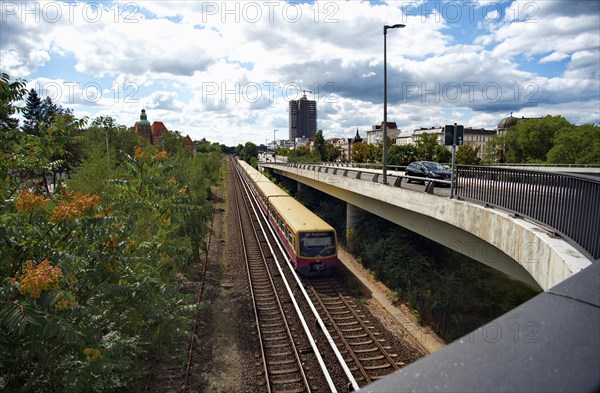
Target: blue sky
(225,71)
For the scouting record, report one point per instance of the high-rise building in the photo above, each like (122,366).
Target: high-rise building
(302,118)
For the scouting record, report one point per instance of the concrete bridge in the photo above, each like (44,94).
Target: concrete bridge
(520,248)
(550,343)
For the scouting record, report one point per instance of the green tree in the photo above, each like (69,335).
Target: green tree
(426,146)
(332,153)
(319,146)
(10,92)
(33,113)
(530,140)
(442,154)
(360,152)
(248,153)
(579,145)
(467,155)
(402,154)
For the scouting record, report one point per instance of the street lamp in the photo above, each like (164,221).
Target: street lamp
(274,146)
(385,29)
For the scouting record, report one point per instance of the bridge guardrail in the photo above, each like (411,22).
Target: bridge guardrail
(568,204)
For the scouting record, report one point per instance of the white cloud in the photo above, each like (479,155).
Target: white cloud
(225,70)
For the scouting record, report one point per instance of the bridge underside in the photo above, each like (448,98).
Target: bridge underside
(516,247)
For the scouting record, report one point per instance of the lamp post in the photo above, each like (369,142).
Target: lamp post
(385,29)
(274,146)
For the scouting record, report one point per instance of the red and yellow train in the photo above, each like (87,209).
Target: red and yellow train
(310,242)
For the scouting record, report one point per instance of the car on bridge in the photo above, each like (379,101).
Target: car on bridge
(428,169)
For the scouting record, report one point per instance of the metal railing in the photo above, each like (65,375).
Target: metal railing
(568,204)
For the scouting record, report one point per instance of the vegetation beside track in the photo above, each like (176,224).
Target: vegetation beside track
(90,268)
(448,291)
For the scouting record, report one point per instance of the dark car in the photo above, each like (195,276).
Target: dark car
(428,169)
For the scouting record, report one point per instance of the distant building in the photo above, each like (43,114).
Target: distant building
(302,121)
(154,133)
(476,137)
(375,134)
(506,123)
(345,145)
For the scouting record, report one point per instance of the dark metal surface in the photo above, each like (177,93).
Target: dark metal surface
(548,344)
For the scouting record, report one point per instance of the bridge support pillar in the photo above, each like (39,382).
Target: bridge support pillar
(351,212)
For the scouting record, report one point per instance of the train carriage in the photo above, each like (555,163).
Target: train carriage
(310,241)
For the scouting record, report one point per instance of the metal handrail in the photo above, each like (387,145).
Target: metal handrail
(568,204)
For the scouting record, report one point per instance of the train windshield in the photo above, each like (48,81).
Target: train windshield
(317,244)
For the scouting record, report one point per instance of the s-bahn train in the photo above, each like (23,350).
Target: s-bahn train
(310,242)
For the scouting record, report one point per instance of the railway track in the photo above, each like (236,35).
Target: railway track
(354,348)
(284,352)
(364,350)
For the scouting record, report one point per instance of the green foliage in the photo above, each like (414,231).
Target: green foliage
(283,151)
(10,93)
(248,153)
(431,278)
(332,153)
(578,145)
(301,154)
(366,153)
(467,155)
(319,146)
(89,279)
(530,140)
(427,145)
(402,154)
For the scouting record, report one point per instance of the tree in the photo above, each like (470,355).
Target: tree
(402,154)
(467,155)
(319,146)
(248,153)
(360,152)
(10,92)
(332,153)
(33,113)
(426,146)
(530,140)
(580,145)
(442,154)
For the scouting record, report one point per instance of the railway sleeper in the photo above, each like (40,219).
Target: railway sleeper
(348,323)
(284,371)
(379,367)
(272,325)
(379,357)
(286,381)
(274,346)
(296,390)
(282,362)
(356,336)
(342,318)
(362,343)
(278,338)
(281,354)
(374,349)
(352,330)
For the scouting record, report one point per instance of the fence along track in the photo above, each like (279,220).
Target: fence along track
(281,358)
(361,345)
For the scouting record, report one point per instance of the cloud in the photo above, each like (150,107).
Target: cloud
(226,70)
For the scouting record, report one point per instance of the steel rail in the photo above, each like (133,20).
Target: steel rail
(289,334)
(324,329)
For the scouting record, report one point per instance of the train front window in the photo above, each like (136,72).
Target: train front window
(317,244)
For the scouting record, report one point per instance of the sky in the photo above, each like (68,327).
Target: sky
(226,70)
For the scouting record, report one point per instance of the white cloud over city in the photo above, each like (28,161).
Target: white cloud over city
(225,71)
